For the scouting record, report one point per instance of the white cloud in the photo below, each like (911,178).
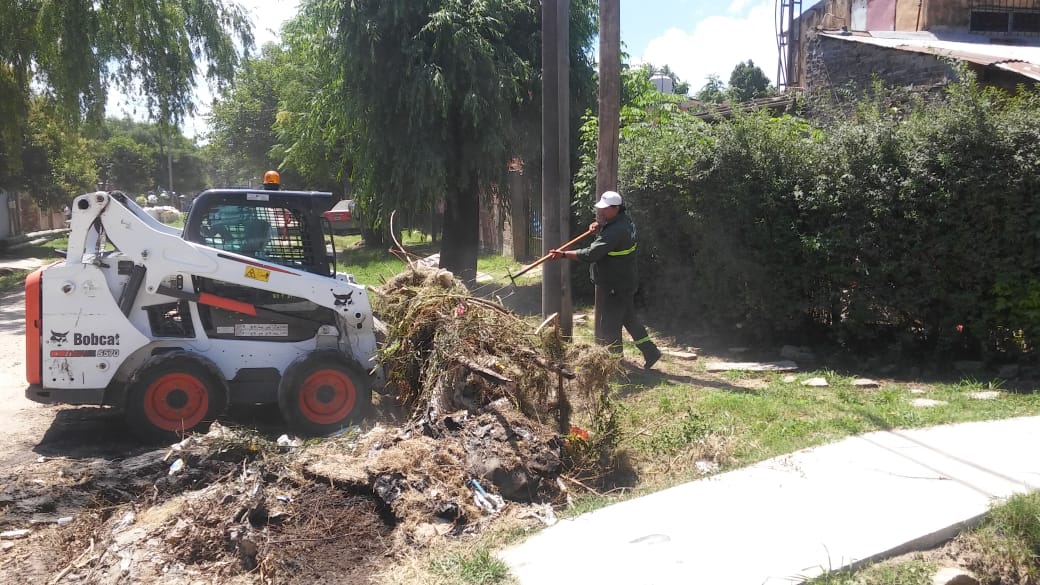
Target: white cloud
(737,6)
(718,43)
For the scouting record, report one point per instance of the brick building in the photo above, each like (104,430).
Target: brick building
(911,42)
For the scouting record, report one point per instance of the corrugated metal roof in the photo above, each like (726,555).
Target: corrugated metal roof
(1023,60)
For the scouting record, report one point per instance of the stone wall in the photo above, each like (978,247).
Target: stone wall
(835,62)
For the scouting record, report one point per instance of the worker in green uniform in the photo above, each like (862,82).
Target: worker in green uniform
(613,258)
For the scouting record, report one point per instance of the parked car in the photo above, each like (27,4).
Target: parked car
(343,217)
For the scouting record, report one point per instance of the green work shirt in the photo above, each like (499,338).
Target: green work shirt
(612,255)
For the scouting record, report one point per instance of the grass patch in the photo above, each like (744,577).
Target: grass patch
(671,422)
(12,280)
(1005,548)
(1002,550)
(914,572)
(478,567)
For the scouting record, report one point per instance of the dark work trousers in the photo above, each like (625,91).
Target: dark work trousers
(616,310)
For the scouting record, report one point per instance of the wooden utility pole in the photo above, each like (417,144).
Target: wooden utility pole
(609,96)
(551,271)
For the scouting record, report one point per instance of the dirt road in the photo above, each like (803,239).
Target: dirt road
(25,422)
(32,430)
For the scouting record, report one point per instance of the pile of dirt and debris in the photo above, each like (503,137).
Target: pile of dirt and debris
(486,433)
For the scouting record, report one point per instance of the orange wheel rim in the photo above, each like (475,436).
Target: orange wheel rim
(176,401)
(327,396)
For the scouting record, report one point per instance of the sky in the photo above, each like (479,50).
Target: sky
(695,38)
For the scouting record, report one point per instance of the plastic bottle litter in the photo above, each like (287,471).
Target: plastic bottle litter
(177,466)
(488,502)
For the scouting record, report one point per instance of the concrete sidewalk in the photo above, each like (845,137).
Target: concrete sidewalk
(793,517)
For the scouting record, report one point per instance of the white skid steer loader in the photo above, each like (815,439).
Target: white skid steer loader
(243,306)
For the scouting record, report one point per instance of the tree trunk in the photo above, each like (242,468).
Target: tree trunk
(609,96)
(461,237)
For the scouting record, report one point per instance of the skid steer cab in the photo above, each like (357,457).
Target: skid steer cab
(243,306)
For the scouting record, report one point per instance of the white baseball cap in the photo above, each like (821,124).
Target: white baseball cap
(609,199)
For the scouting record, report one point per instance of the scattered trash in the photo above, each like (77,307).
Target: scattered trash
(344,431)
(64,520)
(125,521)
(706,467)
(284,499)
(544,513)
(14,534)
(287,441)
(485,501)
(41,459)
(177,466)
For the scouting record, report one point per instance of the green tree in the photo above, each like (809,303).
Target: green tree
(242,122)
(311,126)
(74,51)
(57,161)
(713,92)
(747,82)
(126,164)
(430,88)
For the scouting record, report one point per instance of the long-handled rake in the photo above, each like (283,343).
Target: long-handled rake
(540,261)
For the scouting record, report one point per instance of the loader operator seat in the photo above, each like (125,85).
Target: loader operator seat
(255,234)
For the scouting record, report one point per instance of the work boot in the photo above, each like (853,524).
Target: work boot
(650,356)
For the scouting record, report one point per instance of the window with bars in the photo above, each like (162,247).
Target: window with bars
(1011,17)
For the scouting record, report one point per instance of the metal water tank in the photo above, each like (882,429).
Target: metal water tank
(663,83)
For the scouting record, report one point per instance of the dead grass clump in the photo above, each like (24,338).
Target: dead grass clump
(328,531)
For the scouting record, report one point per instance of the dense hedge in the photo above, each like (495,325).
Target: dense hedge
(903,225)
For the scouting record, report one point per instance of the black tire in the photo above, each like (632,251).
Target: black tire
(323,392)
(173,394)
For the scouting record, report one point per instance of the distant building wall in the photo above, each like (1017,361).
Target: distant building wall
(947,15)
(842,63)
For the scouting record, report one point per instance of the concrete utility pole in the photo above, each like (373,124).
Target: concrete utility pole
(609,96)
(563,56)
(551,271)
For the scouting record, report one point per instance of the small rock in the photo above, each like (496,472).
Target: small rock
(926,402)
(816,382)
(789,378)
(782,366)
(987,395)
(705,466)
(1009,371)
(683,355)
(14,534)
(916,390)
(954,576)
(64,520)
(6,546)
(866,383)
